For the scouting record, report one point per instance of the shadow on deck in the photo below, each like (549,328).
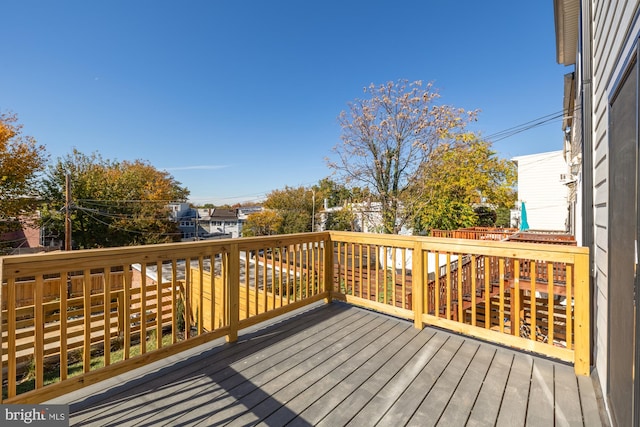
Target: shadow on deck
(337,364)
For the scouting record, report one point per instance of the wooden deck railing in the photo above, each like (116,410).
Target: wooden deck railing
(529,296)
(70,319)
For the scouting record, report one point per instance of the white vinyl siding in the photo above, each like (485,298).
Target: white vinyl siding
(614,38)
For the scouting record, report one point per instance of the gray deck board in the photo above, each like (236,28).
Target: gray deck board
(350,381)
(568,410)
(464,396)
(181,385)
(440,395)
(336,365)
(588,402)
(438,383)
(541,395)
(436,357)
(513,410)
(251,378)
(351,396)
(487,405)
(351,406)
(303,392)
(281,388)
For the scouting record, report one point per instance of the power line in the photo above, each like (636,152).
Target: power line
(531,124)
(98,201)
(124,229)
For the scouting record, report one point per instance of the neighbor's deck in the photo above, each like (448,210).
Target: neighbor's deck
(335,365)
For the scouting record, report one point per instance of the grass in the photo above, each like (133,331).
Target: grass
(75,366)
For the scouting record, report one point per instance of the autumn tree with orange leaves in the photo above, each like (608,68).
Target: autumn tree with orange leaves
(387,137)
(21,159)
(115,203)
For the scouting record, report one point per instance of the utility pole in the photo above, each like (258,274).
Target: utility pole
(67,213)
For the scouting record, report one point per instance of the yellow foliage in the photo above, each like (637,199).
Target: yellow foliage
(21,159)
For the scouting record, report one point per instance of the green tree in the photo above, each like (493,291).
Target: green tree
(287,211)
(290,210)
(333,193)
(114,203)
(486,216)
(457,180)
(338,196)
(503,217)
(21,160)
(265,223)
(387,137)
(295,206)
(342,220)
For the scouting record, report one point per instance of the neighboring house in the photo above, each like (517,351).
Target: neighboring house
(600,39)
(542,180)
(205,223)
(25,240)
(245,211)
(367,217)
(29,239)
(323,217)
(219,222)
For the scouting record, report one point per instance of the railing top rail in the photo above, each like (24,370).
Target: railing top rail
(28,264)
(514,246)
(538,251)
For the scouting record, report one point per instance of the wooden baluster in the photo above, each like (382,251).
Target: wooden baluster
(551,297)
(516,300)
(86,355)
(159,305)
(126,303)
(534,314)
(64,278)
(106,302)
(174,302)
(448,285)
(38,319)
(474,272)
(501,305)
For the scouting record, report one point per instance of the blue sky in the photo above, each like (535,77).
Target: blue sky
(238,98)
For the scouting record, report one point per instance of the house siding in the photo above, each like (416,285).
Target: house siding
(614,34)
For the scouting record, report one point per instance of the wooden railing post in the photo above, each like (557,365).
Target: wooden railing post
(417,283)
(328,268)
(233,291)
(121,322)
(582,352)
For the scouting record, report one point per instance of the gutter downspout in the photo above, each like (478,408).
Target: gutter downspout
(588,226)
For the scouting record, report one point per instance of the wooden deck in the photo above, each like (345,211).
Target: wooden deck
(333,365)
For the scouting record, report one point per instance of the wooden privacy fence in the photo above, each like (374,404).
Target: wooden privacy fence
(476,233)
(70,319)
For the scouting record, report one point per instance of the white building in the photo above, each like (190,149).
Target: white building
(542,186)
